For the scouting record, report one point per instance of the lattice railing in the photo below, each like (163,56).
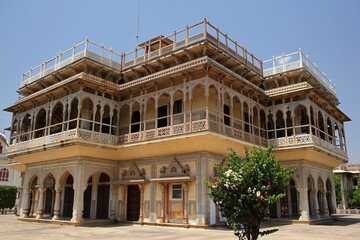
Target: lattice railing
(307,139)
(297,60)
(168,131)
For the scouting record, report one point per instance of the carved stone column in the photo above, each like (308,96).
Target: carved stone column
(316,203)
(343,196)
(186,203)
(325,204)
(333,201)
(141,215)
(293,127)
(304,207)
(26,204)
(114,200)
(57,203)
(40,209)
(207,105)
(162,212)
(122,207)
(78,206)
(289,201)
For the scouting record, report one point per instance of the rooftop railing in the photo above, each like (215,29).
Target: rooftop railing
(175,41)
(190,35)
(86,48)
(294,61)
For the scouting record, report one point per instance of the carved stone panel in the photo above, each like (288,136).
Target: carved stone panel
(175,169)
(133,173)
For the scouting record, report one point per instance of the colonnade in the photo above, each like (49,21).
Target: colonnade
(183,103)
(65,197)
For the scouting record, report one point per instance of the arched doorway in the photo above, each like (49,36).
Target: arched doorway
(102,210)
(49,196)
(87,199)
(68,196)
(34,186)
(133,203)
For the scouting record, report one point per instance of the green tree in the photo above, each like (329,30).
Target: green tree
(337,189)
(246,188)
(354,197)
(7,197)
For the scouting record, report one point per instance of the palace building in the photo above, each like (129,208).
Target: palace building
(134,136)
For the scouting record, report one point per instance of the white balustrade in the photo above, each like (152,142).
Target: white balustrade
(294,61)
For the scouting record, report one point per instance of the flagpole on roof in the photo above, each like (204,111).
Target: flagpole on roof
(137,34)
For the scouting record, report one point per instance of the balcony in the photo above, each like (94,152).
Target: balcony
(250,134)
(295,61)
(304,139)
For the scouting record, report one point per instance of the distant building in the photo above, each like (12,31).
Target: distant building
(349,178)
(8,176)
(134,136)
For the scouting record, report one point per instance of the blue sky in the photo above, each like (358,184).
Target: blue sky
(327,31)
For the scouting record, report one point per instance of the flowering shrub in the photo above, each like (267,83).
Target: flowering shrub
(245,189)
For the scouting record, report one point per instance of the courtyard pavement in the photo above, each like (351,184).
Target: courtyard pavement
(344,227)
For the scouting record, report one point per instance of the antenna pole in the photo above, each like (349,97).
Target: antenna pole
(137,34)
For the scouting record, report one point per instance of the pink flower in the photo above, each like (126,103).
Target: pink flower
(269,182)
(261,197)
(218,181)
(265,193)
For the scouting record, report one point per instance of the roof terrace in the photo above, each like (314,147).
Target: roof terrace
(294,61)
(145,52)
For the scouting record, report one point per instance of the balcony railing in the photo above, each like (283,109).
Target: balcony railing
(180,39)
(86,48)
(306,139)
(295,61)
(195,126)
(175,130)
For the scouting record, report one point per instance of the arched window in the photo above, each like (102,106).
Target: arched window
(4,174)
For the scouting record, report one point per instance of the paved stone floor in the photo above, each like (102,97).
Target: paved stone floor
(345,227)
